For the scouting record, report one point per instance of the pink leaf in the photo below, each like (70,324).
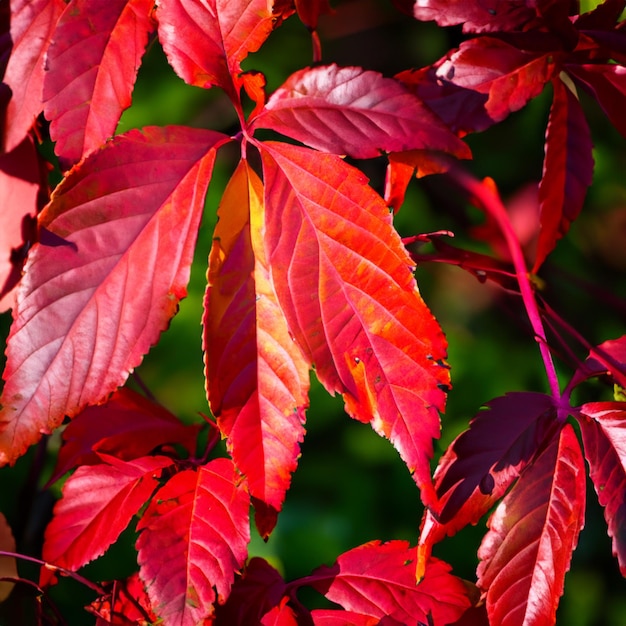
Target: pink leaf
(98,503)
(118,240)
(604,439)
(280,615)
(343,280)
(348,110)
(193,538)
(32,24)
(257,378)
(91,66)
(609,358)
(333,617)
(378,579)
(532,534)
(567,169)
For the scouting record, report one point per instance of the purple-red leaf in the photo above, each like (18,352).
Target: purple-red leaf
(193,538)
(378,579)
(32,24)
(609,358)
(257,378)
(527,550)
(604,440)
(114,258)
(343,280)
(91,66)
(348,110)
(98,503)
(127,426)
(567,169)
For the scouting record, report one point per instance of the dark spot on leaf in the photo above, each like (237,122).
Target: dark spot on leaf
(487,484)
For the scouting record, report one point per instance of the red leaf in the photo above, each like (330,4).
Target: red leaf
(258,379)
(331,617)
(344,282)
(507,75)
(281,615)
(122,229)
(533,532)
(206,40)
(609,358)
(567,169)
(348,110)
(91,66)
(604,439)
(477,16)
(378,579)
(254,594)
(127,426)
(19,186)
(310,10)
(194,537)
(32,24)
(98,503)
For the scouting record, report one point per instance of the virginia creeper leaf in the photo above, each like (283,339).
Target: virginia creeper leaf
(97,504)
(257,378)
(344,282)
(8,564)
(122,228)
(348,110)
(19,186)
(32,24)
(378,579)
(91,66)
(332,617)
(310,10)
(609,358)
(280,615)
(532,533)
(604,440)
(193,538)
(127,426)
(567,169)
(477,16)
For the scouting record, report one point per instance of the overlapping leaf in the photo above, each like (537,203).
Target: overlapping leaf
(32,24)
(97,505)
(348,110)
(604,440)
(91,66)
(378,579)
(344,282)
(609,358)
(257,378)
(527,550)
(193,538)
(116,247)
(567,169)
(8,564)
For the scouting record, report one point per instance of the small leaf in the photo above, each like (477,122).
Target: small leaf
(91,66)
(193,538)
(8,564)
(609,358)
(532,534)
(348,110)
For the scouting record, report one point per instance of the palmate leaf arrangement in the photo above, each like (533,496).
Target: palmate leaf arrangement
(305,271)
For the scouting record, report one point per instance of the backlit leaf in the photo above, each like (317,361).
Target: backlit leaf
(193,538)
(281,615)
(117,244)
(604,440)
(257,378)
(567,169)
(348,110)
(527,550)
(343,280)
(91,66)
(609,358)
(97,504)
(378,579)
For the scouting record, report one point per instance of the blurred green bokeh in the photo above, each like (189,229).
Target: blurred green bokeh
(351,486)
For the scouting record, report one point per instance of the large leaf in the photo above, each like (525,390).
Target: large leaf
(32,24)
(344,281)
(604,439)
(348,110)
(527,550)
(257,378)
(98,503)
(19,186)
(567,169)
(117,244)
(193,538)
(91,66)
(378,579)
